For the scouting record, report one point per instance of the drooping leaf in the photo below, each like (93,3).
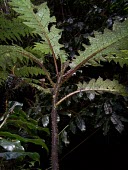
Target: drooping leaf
(117,123)
(11,145)
(45,120)
(19,119)
(80,123)
(3,76)
(107,108)
(40,88)
(27,71)
(13,29)
(73,127)
(14,155)
(26,125)
(106,127)
(36,141)
(64,136)
(11,54)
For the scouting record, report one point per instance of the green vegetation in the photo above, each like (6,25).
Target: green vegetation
(46,67)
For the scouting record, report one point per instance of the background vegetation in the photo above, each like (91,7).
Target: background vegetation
(25,109)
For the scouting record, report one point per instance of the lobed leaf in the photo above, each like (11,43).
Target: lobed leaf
(26,71)
(103,44)
(11,55)
(100,86)
(13,29)
(39,21)
(3,76)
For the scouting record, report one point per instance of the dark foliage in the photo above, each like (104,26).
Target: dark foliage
(106,112)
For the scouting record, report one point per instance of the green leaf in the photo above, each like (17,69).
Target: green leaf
(11,145)
(42,47)
(14,155)
(26,71)
(39,21)
(40,88)
(21,120)
(9,55)
(15,52)
(73,127)
(64,137)
(102,44)
(116,52)
(13,29)
(117,123)
(3,76)
(26,140)
(101,86)
(106,127)
(26,125)
(80,123)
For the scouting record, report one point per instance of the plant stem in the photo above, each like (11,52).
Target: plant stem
(54,154)
(54,151)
